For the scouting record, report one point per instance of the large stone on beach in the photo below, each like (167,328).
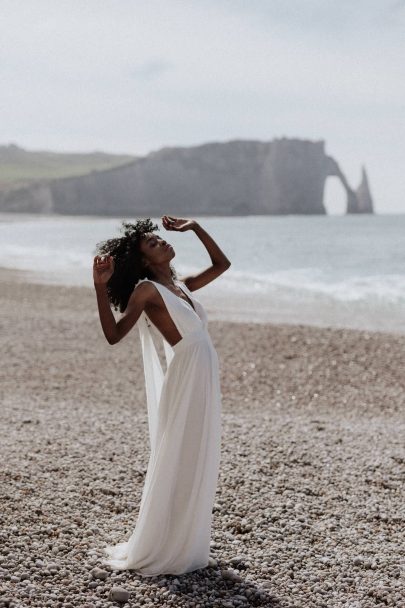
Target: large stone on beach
(99,573)
(231,575)
(119,594)
(237,559)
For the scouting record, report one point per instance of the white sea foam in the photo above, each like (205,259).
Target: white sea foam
(308,281)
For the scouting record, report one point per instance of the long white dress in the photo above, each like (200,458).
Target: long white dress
(173,529)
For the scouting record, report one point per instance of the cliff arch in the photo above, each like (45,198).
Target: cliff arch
(334,197)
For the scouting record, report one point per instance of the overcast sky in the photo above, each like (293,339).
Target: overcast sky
(136,75)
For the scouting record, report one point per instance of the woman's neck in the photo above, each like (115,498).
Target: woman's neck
(162,275)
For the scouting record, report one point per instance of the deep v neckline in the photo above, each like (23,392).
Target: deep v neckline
(186,301)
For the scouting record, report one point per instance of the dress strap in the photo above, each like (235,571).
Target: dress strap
(153,372)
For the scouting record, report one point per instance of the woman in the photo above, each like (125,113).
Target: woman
(133,273)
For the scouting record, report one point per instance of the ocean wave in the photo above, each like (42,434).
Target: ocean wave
(311,283)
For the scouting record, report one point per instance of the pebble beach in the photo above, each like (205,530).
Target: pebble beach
(309,511)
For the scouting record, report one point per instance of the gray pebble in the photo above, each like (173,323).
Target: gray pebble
(119,594)
(231,575)
(99,573)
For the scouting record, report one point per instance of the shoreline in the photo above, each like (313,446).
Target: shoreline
(219,308)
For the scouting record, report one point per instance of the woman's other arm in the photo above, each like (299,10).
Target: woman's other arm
(114,330)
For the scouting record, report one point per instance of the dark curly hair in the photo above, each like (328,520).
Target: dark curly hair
(128,265)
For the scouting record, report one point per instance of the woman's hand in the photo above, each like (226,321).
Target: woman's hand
(103,268)
(174,223)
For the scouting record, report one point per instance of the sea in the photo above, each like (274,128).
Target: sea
(336,271)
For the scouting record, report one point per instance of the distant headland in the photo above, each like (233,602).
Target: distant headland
(241,177)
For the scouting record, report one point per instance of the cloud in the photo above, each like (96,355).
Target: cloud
(150,70)
(399,5)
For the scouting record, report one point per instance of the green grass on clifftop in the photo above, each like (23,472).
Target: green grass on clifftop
(19,166)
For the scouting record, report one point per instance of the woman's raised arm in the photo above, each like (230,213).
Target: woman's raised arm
(220,262)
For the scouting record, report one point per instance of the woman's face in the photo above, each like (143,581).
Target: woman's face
(155,249)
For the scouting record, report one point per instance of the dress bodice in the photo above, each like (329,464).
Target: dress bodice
(184,316)
(189,323)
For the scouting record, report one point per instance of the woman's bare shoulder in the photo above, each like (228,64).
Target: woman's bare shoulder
(143,293)
(145,287)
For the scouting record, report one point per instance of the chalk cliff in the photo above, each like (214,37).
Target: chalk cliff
(283,176)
